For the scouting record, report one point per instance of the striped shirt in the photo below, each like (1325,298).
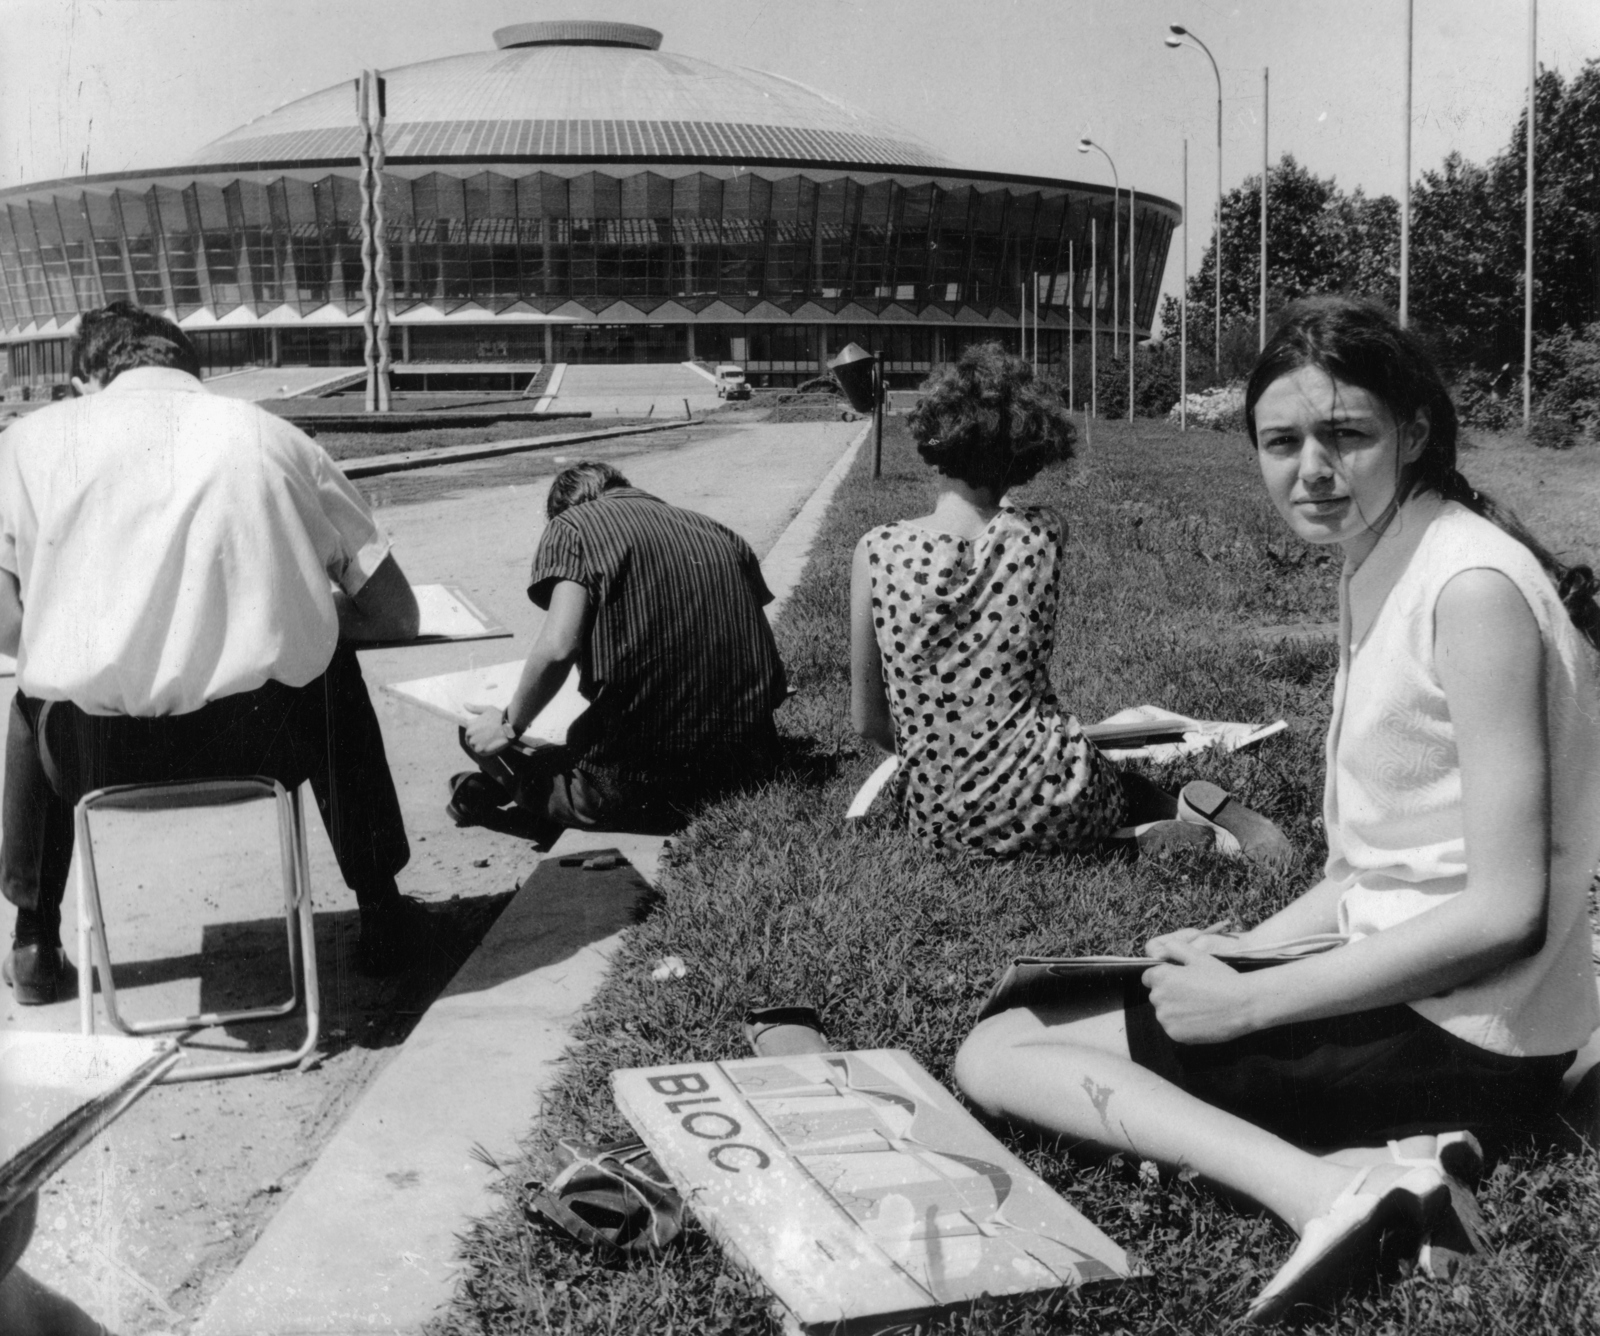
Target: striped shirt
(680,663)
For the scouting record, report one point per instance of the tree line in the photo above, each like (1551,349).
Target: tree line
(1466,282)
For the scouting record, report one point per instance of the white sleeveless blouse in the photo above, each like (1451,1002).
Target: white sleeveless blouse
(1392,803)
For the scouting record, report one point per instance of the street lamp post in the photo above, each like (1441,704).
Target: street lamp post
(1176,39)
(1183,305)
(1084,145)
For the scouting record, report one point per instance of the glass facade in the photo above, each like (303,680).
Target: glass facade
(810,245)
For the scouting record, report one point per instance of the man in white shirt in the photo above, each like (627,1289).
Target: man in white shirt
(181,579)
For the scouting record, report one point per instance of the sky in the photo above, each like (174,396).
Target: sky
(1002,85)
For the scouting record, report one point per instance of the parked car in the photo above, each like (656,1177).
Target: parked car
(731,383)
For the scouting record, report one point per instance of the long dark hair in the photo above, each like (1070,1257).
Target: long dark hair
(1361,344)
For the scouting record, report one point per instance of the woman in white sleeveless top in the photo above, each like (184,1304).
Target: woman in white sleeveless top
(1462,809)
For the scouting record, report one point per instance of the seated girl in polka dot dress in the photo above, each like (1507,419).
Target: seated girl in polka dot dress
(953,622)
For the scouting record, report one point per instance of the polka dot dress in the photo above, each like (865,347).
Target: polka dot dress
(989,760)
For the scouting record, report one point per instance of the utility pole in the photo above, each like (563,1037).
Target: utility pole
(1133,298)
(1405,194)
(1263,297)
(1094,317)
(1527,229)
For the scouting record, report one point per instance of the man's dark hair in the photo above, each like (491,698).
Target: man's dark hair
(584,481)
(120,337)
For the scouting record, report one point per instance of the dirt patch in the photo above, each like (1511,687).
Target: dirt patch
(143,1226)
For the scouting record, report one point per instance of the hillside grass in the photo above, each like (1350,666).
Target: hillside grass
(1174,556)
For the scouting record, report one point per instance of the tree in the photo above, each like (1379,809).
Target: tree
(1466,242)
(1319,240)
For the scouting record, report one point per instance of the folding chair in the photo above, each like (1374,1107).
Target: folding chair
(170,796)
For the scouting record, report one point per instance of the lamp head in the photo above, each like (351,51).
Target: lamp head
(853,369)
(1177,30)
(1085,144)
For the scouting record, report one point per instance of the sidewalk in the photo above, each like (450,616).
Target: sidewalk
(144,1228)
(367,1241)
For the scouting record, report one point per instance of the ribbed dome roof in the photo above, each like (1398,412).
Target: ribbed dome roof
(580,90)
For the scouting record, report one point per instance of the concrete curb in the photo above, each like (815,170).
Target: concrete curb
(552,387)
(366,1241)
(454,454)
(786,562)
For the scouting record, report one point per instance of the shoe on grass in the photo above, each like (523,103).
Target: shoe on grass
(1342,1243)
(38,974)
(1239,832)
(394,937)
(1455,1237)
(785,1032)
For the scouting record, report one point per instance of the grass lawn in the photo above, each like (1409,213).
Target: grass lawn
(771,898)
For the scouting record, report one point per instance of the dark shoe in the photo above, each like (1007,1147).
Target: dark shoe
(1239,831)
(613,1197)
(785,1032)
(394,937)
(38,974)
(474,798)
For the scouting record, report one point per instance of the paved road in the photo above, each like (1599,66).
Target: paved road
(144,1225)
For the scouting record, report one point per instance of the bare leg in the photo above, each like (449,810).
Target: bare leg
(1067,1070)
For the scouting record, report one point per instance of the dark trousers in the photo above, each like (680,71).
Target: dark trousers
(35,832)
(325,732)
(556,791)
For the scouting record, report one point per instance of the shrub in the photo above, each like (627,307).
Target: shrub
(1566,379)
(1221,409)
(1551,431)
(1155,385)
(1482,401)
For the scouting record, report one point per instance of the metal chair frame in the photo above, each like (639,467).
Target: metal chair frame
(169,796)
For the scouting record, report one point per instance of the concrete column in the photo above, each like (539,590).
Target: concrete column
(690,328)
(277,346)
(549,342)
(405,343)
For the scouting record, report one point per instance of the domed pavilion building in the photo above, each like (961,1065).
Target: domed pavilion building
(577,195)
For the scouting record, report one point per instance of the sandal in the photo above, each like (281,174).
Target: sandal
(474,798)
(613,1197)
(785,1032)
(1240,832)
(1345,1237)
(1456,1236)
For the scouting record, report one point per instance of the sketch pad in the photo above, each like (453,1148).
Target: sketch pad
(1040,980)
(857,1188)
(448,695)
(447,615)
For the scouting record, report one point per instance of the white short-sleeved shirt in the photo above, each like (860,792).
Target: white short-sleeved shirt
(173,547)
(1392,805)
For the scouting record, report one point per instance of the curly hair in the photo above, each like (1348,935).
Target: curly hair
(986,421)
